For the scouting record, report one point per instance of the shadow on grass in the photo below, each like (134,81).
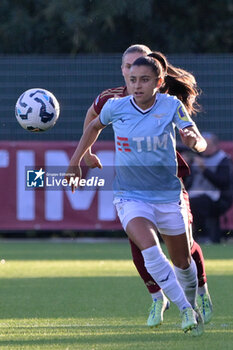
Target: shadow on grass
(87,251)
(116,337)
(71,297)
(107,312)
(64,251)
(90,297)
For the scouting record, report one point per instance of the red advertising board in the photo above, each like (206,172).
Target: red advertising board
(23,209)
(45,209)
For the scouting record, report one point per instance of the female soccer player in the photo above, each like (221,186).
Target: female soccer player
(159,303)
(147,191)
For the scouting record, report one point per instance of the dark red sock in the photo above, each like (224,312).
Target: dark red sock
(138,260)
(197,255)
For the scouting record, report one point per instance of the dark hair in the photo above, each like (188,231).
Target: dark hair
(177,81)
(151,62)
(180,83)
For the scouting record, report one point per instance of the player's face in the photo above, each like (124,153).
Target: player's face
(126,65)
(143,85)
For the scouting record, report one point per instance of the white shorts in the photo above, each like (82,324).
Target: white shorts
(169,218)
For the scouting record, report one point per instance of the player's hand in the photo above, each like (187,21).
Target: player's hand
(92,160)
(188,137)
(73,176)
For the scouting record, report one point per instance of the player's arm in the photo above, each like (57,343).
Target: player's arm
(89,136)
(90,159)
(91,115)
(189,132)
(192,138)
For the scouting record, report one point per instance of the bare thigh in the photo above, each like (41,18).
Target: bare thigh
(142,232)
(178,249)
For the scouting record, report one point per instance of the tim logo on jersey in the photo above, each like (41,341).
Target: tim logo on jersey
(35,178)
(182,113)
(143,143)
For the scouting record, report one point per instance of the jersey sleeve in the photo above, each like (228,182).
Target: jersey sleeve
(106,113)
(105,95)
(181,117)
(99,102)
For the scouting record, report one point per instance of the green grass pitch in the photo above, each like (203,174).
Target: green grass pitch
(89,297)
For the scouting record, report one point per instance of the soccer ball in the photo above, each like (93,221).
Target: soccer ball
(37,110)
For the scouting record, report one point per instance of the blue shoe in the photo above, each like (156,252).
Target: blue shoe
(156,312)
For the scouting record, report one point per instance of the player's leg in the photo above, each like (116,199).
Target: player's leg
(185,270)
(198,257)
(159,301)
(172,223)
(196,250)
(138,222)
(203,297)
(138,261)
(141,231)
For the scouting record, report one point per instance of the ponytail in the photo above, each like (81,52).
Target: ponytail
(179,83)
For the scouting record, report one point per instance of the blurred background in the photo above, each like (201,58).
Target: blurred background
(73,48)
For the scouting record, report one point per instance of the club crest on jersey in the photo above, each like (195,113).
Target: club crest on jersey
(182,113)
(158,116)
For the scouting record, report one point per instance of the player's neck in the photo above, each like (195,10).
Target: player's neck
(145,104)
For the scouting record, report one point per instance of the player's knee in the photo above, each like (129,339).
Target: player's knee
(182,262)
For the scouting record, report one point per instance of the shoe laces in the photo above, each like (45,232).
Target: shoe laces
(187,313)
(205,301)
(156,306)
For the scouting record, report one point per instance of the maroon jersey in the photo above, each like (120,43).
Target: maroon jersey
(106,94)
(183,168)
(101,99)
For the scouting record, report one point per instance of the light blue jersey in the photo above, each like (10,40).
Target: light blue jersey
(146,164)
